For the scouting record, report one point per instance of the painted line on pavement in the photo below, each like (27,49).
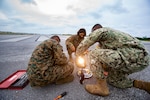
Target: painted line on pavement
(15,39)
(42,38)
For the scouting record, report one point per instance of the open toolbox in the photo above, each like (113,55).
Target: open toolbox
(18,80)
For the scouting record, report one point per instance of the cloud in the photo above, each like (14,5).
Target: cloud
(28,1)
(67,16)
(2,16)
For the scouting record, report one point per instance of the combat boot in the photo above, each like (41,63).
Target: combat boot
(68,79)
(142,85)
(100,88)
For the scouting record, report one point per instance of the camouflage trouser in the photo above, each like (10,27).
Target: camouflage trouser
(51,75)
(109,60)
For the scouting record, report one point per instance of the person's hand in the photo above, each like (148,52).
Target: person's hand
(86,52)
(97,46)
(73,49)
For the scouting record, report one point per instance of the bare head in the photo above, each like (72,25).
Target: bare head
(56,37)
(96,26)
(81,32)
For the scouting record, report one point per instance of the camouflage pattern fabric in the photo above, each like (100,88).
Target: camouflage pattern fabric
(74,40)
(48,64)
(119,53)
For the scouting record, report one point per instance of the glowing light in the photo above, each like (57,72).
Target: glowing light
(80,62)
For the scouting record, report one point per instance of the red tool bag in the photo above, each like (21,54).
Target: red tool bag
(17,80)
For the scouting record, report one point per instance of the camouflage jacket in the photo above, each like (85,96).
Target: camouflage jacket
(74,40)
(127,46)
(48,53)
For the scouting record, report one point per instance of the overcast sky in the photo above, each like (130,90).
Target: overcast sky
(68,16)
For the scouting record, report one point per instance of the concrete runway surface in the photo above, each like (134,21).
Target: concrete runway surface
(15,51)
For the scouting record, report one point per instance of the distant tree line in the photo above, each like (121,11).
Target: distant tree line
(18,33)
(144,38)
(14,33)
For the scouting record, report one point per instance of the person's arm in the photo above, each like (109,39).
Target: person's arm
(88,41)
(59,57)
(69,43)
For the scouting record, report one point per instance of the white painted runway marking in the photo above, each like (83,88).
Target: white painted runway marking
(42,38)
(15,39)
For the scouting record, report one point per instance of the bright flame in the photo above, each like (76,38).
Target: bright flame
(80,61)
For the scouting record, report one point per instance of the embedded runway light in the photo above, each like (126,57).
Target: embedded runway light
(83,73)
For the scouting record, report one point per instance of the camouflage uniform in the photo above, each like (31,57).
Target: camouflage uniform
(48,64)
(119,54)
(74,40)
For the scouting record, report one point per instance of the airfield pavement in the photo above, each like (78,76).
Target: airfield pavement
(15,51)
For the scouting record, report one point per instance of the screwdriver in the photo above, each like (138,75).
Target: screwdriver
(60,96)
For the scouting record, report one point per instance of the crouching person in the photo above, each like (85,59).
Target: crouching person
(118,56)
(48,64)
